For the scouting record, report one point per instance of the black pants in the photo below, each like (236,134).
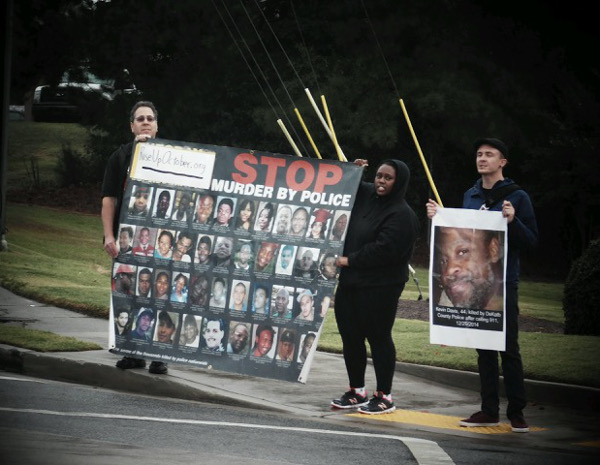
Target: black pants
(368,313)
(512,366)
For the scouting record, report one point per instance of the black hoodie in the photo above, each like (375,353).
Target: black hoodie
(381,235)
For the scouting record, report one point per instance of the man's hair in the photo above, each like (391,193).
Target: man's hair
(283,290)
(200,278)
(261,286)
(205,240)
(325,257)
(123,310)
(309,336)
(269,245)
(264,327)
(164,317)
(190,321)
(301,209)
(143,103)
(145,271)
(218,320)
(183,234)
(226,201)
(245,244)
(128,230)
(243,325)
(287,336)
(284,207)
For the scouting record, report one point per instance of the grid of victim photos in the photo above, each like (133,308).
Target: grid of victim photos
(204,273)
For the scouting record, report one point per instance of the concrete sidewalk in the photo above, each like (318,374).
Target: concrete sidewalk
(568,414)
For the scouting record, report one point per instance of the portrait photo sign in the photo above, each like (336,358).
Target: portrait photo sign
(467,274)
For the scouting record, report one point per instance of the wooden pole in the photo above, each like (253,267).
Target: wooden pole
(307,133)
(431,183)
(289,138)
(341,156)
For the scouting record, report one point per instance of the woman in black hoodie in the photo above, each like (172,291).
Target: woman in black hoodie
(374,269)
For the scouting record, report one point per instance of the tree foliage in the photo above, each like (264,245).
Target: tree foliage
(581,300)
(464,69)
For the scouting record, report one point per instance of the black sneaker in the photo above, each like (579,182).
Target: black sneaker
(480,419)
(158,368)
(126,363)
(518,424)
(378,404)
(349,399)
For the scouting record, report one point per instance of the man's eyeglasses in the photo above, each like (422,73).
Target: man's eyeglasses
(149,118)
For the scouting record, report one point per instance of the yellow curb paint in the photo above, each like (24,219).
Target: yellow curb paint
(439,421)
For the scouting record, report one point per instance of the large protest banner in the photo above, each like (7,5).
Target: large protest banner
(231,260)
(467,279)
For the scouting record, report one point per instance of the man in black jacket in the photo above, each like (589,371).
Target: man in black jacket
(144,125)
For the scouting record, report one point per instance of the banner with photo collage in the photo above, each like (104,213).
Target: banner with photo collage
(227,257)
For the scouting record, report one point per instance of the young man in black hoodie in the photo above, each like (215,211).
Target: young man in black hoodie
(374,269)
(493,191)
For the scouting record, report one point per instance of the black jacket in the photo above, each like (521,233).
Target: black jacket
(381,235)
(115,177)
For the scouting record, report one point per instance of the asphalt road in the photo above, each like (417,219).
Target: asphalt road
(50,422)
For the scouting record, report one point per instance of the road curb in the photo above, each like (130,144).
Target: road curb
(61,367)
(538,392)
(138,381)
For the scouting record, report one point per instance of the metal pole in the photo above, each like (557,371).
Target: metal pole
(8,20)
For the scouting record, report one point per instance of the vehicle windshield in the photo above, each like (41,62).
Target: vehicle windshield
(83,75)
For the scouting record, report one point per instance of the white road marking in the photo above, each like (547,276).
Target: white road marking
(38,381)
(425,452)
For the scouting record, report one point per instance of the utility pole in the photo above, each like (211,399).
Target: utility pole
(6,63)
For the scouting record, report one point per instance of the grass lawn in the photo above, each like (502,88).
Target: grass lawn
(42,341)
(42,143)
(546,357)
(57,258)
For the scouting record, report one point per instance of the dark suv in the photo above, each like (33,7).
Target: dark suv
(76,98)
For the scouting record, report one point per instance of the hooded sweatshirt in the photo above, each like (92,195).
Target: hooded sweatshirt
(522,231)
(381,235)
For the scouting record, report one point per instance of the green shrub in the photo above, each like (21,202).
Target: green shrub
(72,167)
(107,128)
(581,301)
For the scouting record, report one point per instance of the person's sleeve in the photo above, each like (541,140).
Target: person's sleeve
(110,184)
(394,241)
(523,230)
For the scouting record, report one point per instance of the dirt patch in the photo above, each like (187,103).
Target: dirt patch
(419,310)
